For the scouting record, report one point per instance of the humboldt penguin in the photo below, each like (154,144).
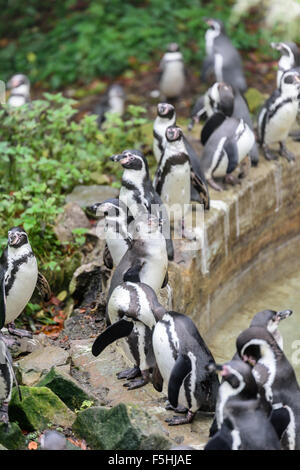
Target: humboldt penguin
(274,373)
(243,414)
(166,117)
(19,86)
(289,59)
(222,58)
(18,278)
(137,192)
(112,102)
(172,79)
(278,115)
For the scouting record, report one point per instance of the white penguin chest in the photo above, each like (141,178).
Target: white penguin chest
(173,79)
(16,101)
(279,125)
(176,188)
(154,270)
(116,244)
(245,141)
(22,288)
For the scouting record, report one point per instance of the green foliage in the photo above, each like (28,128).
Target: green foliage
(66,43)
(44,154)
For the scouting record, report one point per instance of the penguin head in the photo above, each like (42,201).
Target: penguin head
(173,47)
(214,24)
(174,133)
(17,81)
(109,207)
(290,82)
(239,376)
(285,48)
(220,97)
(256,342)
(131,160)
(116,90)
(17,237)
(165,110)
(270,319)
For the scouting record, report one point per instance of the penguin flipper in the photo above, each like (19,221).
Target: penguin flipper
(211,125)
(157,379)
(120,329)
(2,298)
(166,279)
(107,258)
(231,149)
(201,188)
(180,370)
(43,287)
(280,419)
(133,273)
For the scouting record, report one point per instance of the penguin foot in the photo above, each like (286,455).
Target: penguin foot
(214,185)
(139,382)
(129,373)
(178,409)
(284,152)
(176,420)
(231,179)
(268,154)
(295,136)
(17,332)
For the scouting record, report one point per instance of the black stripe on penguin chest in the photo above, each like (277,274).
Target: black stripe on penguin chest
(179,159)
(17,265)
(159,140)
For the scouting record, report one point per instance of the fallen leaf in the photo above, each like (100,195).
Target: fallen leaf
(32,445)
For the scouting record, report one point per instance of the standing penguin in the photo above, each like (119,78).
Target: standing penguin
(172,80)
(242,412)
(274,373)
(138,194)
(222,57)
(289,59)
(7,377)
(20,90)
(180,353)
(112,102)
(278,115)
(117,237)
(166,117)
(18,278)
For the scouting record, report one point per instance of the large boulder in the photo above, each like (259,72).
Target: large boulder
(11,437)
(86,196)
(38,408)
(71,218)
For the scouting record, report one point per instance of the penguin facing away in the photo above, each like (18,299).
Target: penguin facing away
(243,415)
(222,57)
(7,377)
(278,115)
(289,59)
(172,79)
(180,353)
(274,373)
(138,194)
(18,278)
(112,102)
(20,90)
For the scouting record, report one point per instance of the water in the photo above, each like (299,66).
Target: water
(279,295)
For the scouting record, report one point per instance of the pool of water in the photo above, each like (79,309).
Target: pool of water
(284,293)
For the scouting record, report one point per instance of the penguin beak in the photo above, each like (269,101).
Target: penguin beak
(249,359)
(207,20)
(116,158)
(283,314)
(276,45)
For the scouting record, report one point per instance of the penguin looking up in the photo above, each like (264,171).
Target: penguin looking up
(222,57)
(166,117)
(117,237)
(112,102)
(172,79)
(242,414)
(289,59)
(180,353)
(273,372)
(278,115)
(18,278)
(20,90)
(138,194)
(7,377)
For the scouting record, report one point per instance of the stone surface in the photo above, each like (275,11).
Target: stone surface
(66,388)
(86,286)
(38,408)
(11,437)
(86,196)
(38,363)
(71,218)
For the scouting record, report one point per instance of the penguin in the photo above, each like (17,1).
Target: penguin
(20,90)
(242,412)
(180,353)
(118,239)
(227,141)
(278,115)
(222,57)
(7,378)
(112,102)
(172,79)
(18,278)
(274,373)
(290,58)
(166,117)
(138,194)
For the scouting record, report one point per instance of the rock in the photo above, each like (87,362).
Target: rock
(118,428)
(38,363)
(86,286)
(71,218)
(86,196)
(26,345)
(155,442)
(66,388)
(255,99)
(11,437)
(38,408)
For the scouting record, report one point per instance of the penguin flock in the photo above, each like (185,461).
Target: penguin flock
(255,396)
